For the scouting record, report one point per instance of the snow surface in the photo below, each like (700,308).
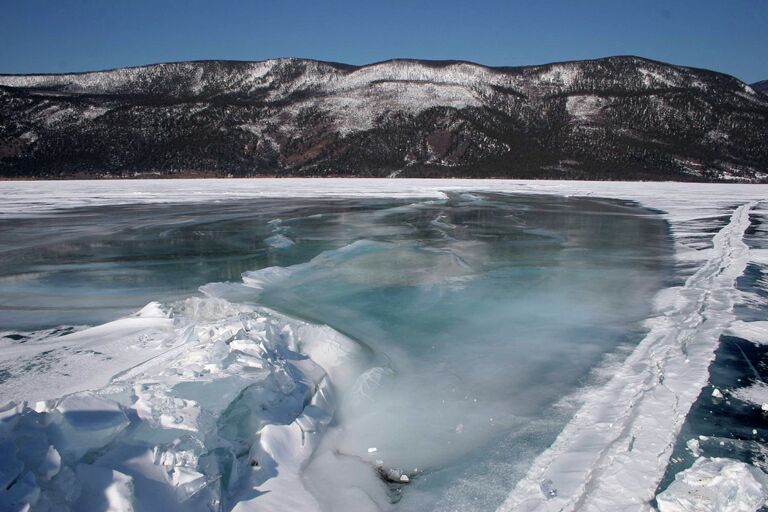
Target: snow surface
(756,394)
(756,332)
(584,107)
(188,366)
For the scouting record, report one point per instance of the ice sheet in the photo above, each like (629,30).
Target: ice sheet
(680,200)
(631,446)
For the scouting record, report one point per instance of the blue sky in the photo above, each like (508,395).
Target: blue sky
(54,36)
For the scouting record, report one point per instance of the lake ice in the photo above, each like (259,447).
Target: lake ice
(356,346)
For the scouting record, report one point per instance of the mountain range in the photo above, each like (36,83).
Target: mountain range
(613,118)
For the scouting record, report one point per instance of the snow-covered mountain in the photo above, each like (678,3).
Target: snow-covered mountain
(613,118)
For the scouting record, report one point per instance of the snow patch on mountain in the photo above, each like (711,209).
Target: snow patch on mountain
(585,107)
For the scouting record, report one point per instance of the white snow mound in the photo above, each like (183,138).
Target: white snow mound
(716,485)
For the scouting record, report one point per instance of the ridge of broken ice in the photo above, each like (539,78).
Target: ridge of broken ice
(716,485)
(236,393)
(617,446)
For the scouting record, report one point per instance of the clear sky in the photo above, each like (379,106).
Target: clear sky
(77,35)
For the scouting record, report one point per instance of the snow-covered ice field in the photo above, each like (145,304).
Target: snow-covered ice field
(397,345)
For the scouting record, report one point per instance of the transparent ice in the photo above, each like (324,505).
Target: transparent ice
(476,319)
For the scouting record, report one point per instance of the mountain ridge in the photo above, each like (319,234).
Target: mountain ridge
(620,117)
(428,62)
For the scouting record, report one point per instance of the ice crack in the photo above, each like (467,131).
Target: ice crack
(614,451)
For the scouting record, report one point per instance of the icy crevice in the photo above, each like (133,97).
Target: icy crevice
(614,451)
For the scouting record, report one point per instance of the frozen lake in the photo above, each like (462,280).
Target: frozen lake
(411,348)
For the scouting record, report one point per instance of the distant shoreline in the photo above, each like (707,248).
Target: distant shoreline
(207,176)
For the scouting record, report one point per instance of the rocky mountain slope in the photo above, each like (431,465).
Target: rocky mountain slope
(761,86)
(613,118)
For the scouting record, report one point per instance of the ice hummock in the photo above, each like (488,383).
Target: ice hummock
(716,485)
(234,397)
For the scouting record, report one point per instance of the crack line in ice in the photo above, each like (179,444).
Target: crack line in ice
(614,451)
